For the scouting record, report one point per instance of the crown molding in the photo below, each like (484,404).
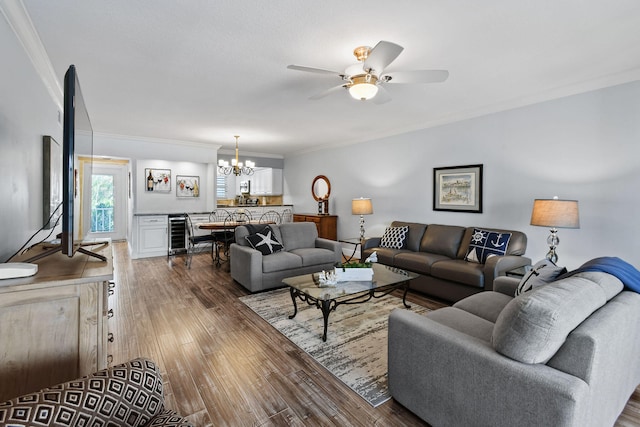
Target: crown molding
(22,26)
(196,144)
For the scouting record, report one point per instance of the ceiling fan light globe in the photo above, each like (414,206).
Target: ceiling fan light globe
(363,91)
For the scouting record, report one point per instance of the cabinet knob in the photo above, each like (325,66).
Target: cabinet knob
(110,313)
(110,337)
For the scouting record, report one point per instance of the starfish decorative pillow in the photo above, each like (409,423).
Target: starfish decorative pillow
(264,241)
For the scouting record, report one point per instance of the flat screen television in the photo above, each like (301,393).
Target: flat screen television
(77,145)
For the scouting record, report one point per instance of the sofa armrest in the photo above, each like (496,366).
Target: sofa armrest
(499,265)
(450,378)
(246,266)
(126,395)
(332,245)
(371,242)
(506,285)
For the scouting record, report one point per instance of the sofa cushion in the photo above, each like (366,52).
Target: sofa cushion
(534,325)
(279,261)
(394,237)
(543,272)
(298,235)
(314,256)
(416,231)
(487,305)
(485,244)
(419,262)
(442,239)
(463,321)
(264,241)
(460,271)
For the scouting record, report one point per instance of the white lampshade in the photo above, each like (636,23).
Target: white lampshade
(361,206)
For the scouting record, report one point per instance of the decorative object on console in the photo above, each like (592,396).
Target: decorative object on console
(187,186)
(458,189)
(555,213)
(543,272)
(394,237)
(236,166)
(361,207)
(485,244)
(157,180)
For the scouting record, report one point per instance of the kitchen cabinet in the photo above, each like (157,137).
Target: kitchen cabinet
(54,325)
(266,181)
(327,224)
(152,236)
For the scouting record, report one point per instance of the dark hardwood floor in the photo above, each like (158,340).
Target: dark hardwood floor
(222,364)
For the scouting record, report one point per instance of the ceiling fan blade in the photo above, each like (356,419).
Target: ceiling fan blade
(313,70)
(382,97)
(416,76)
(327,92)
(383,54)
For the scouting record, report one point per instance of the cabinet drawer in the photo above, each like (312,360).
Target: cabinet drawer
(153,220)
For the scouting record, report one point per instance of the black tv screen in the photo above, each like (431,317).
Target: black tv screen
(77,152)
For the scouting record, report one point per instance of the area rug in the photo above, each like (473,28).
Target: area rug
(356,348)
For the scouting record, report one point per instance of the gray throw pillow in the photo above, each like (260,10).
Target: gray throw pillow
(543,272)
(394,237)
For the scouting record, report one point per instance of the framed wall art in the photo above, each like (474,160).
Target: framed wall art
(187,186)
(157,180)
(458,189)
(52,181)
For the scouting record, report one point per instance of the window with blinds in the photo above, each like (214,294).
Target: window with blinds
(221,187)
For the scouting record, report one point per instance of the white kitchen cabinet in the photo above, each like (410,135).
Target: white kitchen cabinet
(152,236)
(266,181)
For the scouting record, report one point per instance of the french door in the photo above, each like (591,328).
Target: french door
(107,212)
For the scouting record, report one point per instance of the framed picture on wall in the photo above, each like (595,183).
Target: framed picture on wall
(157,180)
(458,188)
(187,186)
(52,181)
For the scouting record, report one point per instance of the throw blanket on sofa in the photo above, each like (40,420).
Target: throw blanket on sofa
(624,271)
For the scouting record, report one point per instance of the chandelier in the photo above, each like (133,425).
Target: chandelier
(236,167)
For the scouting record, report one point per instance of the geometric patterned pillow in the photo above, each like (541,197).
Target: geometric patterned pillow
(394,237)
(128,395)
(485,244)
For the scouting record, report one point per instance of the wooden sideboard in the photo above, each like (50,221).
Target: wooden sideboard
(53,326)
(327,224)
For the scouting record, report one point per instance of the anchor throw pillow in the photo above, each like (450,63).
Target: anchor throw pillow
(485,244)
(264,241)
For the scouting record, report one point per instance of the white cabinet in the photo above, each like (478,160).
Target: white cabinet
(266,181)
(152,237)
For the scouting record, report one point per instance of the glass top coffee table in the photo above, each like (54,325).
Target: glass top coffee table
(327,298)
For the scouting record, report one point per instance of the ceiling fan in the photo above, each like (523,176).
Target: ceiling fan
(366,79)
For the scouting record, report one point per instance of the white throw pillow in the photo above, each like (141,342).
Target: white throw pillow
(543,272)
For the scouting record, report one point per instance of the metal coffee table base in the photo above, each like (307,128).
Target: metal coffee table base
(329,305)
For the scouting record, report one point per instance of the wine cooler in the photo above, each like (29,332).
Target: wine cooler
(177,234)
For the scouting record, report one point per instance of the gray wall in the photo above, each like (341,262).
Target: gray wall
(584,147)
(27,112)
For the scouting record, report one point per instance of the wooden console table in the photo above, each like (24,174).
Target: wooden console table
(327,224)
(53,326)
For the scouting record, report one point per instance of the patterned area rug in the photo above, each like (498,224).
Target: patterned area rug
(356,347)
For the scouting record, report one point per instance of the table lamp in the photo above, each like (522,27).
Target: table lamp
(362,207)
(555,213)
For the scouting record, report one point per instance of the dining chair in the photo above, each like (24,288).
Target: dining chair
(196,239)
(270,217)
(287,215)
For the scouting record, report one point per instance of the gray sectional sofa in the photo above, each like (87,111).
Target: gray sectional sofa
(304,252)
(437,252)
(563,354)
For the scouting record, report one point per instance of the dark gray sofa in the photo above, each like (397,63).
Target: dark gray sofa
(437,253)
(304,252)
(564,354)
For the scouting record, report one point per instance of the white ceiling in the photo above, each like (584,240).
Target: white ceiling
(205,70)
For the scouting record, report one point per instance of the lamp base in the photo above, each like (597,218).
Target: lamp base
(553,241)
(361,227)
